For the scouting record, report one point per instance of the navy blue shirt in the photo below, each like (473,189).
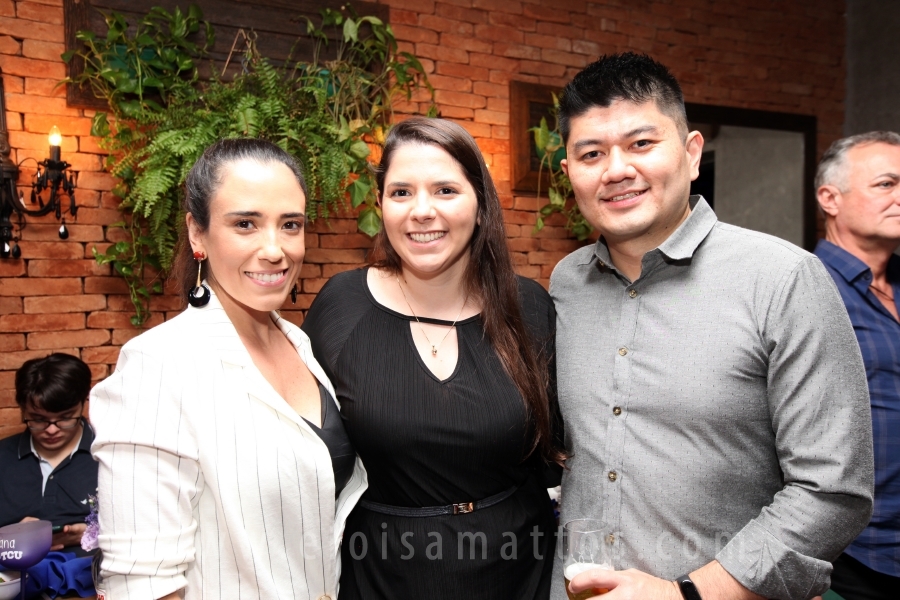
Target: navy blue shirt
(65,499)
(878,332)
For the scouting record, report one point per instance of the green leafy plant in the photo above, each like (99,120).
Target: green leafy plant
(360,97)
(549,145)
(143,70)
(326,113)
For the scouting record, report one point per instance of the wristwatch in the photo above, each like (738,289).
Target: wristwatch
(687,587)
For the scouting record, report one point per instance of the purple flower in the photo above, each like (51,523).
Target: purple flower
(89,539)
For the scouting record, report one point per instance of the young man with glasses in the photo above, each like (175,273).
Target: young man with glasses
(47,472)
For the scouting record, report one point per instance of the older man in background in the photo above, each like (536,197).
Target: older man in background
(858,185)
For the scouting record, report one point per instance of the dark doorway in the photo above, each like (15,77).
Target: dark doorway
(705,184)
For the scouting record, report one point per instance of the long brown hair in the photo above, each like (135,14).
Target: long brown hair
(489,275)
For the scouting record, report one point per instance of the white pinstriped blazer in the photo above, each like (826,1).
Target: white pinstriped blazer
(209,480)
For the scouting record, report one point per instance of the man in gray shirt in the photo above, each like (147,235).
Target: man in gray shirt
(714,395)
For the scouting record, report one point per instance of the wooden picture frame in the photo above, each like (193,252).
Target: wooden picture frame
(528,102)
(278,24)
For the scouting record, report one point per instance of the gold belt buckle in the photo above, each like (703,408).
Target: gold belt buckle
(463,508)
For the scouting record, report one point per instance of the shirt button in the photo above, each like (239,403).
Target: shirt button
(613,476)
(633,293)
(325,597)
(617,410)
(610,539)
(623,351)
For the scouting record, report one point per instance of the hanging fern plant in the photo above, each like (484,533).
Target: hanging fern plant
(325,113)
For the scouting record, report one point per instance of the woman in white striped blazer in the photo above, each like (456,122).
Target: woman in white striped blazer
(224,468)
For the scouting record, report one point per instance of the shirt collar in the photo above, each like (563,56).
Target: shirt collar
(33,450)
(847,266)
(25,444)
(684,241)
(87,437)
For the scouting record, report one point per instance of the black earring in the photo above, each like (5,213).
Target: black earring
(200,295)
(294,292)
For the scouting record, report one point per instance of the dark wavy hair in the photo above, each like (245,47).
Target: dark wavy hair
(203,182)
(628,76)
(489,275)
(55,383)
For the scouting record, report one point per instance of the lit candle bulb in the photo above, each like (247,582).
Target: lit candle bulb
(55,143)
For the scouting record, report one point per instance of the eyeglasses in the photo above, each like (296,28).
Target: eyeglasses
(41,425)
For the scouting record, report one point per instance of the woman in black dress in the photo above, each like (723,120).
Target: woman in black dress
(440,356)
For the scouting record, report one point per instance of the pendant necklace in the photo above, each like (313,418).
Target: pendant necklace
(434,349)
(882,294)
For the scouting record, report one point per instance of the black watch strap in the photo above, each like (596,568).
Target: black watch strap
(687,587)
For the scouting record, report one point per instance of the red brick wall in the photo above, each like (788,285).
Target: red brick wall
(764,54)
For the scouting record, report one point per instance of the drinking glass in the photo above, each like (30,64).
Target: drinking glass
(585,548)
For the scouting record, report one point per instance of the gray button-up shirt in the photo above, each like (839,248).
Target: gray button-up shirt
(716,407)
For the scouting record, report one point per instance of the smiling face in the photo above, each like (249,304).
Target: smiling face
(53,438)
(429,211)
(254,243)
(631,171)
(869,209)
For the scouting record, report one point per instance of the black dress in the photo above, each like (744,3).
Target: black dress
(334,434)
(426,442)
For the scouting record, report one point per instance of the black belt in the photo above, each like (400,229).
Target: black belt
(460,508)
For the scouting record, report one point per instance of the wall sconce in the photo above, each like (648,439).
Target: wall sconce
(51,174)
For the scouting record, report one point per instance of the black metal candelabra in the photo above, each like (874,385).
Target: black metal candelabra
(51,175)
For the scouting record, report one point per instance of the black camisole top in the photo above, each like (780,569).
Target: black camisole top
(332,432)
